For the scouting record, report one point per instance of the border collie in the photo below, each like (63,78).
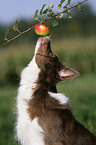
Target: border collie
(44,116)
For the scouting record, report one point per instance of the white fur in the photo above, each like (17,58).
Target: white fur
(61,98)
(28,132)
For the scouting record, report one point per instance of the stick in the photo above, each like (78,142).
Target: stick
(17,36)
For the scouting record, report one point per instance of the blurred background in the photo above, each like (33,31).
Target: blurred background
(73,40)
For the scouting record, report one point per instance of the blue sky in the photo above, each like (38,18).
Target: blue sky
(10,10)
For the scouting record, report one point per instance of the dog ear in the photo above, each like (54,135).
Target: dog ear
(67,73)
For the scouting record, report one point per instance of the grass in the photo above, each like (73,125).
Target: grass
(7,116)
(83,99)
(79,53)
(82,93)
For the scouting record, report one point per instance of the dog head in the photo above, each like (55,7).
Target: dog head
(49,63)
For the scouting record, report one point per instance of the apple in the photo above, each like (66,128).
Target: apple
(42,29)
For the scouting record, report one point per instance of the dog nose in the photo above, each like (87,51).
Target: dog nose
(49,36)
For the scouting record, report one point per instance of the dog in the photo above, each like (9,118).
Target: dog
(44,116)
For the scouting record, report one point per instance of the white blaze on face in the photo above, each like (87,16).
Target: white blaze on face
(40,42)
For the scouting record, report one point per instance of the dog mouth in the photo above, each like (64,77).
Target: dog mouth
(45,38)
(45,46)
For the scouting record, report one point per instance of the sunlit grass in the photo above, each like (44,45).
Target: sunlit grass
(83,45)
(78,53)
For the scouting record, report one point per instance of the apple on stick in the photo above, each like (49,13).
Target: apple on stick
(42,29)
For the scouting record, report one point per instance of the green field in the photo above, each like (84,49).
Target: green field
(78,53)
(81,91)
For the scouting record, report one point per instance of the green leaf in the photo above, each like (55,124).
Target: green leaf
(55,23)
(59,15)
(15,26)
(50,6)
(59,6)
(69,1)
(51,14)
(65,8)
(6,33)
(45,11)
(69,15)
(42,9)
(35,15)
(79,8)
(62,1)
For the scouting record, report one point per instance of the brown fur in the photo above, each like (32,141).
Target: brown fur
(57,121)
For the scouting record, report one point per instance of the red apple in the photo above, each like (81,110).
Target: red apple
(42,29)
